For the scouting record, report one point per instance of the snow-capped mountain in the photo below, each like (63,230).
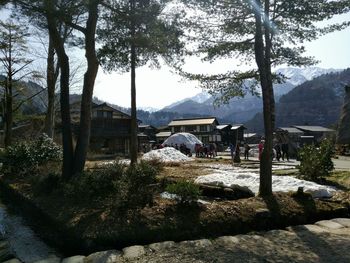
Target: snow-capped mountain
(199,98)
(149,109)
(243,109)
(297,76)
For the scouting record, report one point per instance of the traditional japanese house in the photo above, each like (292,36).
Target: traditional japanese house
(203,128)
(237,133)
(110,128)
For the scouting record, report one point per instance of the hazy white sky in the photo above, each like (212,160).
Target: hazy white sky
(159,88)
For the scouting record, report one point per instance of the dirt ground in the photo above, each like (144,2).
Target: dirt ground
(104,226)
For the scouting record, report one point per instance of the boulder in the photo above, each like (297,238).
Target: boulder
(133,252)
(109,256)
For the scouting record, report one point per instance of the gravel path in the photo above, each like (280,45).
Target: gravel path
(325,241)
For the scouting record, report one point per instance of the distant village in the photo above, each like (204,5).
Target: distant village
(110,132)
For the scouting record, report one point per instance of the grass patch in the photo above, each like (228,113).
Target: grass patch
(340,179)
(289,172)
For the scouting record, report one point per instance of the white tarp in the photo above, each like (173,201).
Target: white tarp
(183,137)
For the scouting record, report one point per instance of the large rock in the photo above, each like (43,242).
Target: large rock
(51,259)
(133,252)
(110,256)
(162,246)
(75,259)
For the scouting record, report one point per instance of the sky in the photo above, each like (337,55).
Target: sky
(159,88)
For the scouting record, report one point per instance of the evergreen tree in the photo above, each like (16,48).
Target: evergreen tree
(80,16)
(133,33)
(271,32)
(15,62)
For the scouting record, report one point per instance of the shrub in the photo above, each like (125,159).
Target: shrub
(139,182)
(130,187)
(187,191)
(26,157)
(95,184)
(316,163)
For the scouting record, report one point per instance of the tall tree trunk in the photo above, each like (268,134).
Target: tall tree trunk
(63,61)
(89,82)
(133,139)
(8,97)
(51,84)
(8,112)
(262,57)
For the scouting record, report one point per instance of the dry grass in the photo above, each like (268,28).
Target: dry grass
(340,178)
(183,171)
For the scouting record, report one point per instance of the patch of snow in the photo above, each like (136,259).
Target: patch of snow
(183,137)
(250,178)
(167,195)
(167,154)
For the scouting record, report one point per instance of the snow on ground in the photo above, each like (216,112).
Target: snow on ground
(228,175)
(183,137)
(167,154)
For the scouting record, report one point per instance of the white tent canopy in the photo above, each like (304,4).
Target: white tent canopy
(183,137)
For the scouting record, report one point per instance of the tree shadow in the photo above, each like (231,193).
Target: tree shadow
(328,247)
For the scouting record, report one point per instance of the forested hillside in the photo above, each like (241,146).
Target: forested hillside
(315,102)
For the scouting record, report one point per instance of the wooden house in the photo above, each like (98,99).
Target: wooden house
(237,133)
(317,132)
(110,128)
(203,128)
(226,133)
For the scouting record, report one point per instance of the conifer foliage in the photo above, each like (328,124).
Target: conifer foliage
(269,33)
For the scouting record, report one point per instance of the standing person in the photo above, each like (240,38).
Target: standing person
(261,148)
(278,151)
(237,158)
(232,150)
(246,151)
(285,151)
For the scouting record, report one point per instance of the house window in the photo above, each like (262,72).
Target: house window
(205,139)
(190,128)
(104,114)
(108,114)
(177,129)
(203,128)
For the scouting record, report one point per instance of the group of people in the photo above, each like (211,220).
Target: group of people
(281,150)
(205,150)
(235,152)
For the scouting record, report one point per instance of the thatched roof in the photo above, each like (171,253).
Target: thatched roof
(343,136)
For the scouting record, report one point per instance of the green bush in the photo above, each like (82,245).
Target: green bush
(316,163)
(130,187)
(95,184)
(26,157)
(139,182)
(187,191)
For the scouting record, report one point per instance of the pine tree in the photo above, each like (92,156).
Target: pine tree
(269,32)
(15,62)
(134,33)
